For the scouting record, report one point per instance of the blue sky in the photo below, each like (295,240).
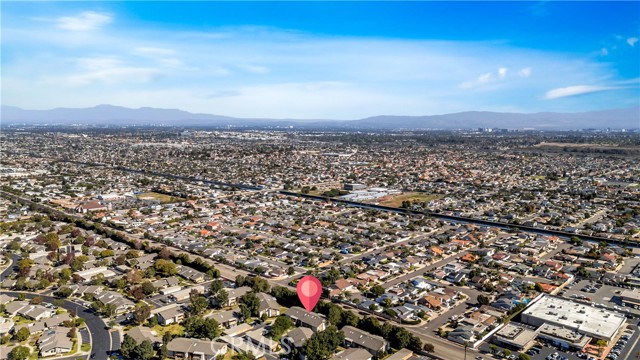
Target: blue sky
(340,60)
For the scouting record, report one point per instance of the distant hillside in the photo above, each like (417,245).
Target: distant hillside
(615,118)
(116,115)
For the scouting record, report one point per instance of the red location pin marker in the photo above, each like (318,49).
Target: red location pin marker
(309,291)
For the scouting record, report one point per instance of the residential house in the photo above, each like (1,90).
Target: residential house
(194,349)
(54,342)
(257,338)
(121,303)
(236,294)
(302,317)
(353,354)
(374,344)
(225,318)
(268,305)
(142,333)
(170,314)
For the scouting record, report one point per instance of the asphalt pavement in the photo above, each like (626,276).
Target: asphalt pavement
(101,343)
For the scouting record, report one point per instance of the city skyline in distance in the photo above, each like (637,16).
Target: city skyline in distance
(278,61)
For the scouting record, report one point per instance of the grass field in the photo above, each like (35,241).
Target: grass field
(164,199)
(396,200)
(175,329)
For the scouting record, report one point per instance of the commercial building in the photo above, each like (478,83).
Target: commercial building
(515,337)
(563,337)
(630,298)
(584,319)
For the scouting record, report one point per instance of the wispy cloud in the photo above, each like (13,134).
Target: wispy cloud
(632,41)
(85,21)
(254,69)
(281,73)
(577,90)
(525,72)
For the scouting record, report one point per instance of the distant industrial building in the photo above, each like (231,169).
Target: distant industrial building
(581,318)
(352,187)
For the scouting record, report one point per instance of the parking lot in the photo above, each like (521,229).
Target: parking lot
(604,294)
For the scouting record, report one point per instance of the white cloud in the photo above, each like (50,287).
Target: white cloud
(481,80)
(604,52)
(385,76)
(576,90)
(153,51)
(254,69)
(85,21)
(632,41)
(115,75)
(525,72)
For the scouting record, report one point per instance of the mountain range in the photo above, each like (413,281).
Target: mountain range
(628,118)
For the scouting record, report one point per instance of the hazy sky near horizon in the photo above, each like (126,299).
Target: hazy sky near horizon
(321,60)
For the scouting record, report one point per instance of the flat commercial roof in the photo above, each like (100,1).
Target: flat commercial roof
(588,320)
(568,335)
(632,296)
(516,335)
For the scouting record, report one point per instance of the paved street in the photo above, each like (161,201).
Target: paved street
(97,328)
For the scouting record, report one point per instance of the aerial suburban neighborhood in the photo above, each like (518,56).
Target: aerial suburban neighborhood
(189,245)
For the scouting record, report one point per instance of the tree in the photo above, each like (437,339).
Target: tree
(200,328)
(240,280)
(137,293)
(400,338)
(144,351)
(128,346)
(216,286)
(165,253)
(349,318)
(259,284)
(198,303)
(109,310)
(221,298)
(291,271)
(507,352)
(36,300)
(483,300)
(335,315)
(148,288)
(279,327)
(493,348)
(22,334)
(134,276)
(322,345)
(24,266)
(251,303)
(165,267)
(141,314)
(428,347)
(523,356)
(19,353)
(376,290)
